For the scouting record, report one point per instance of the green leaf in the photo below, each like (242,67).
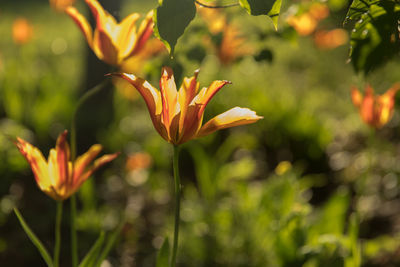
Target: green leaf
(171,19)
(110,242)
(163,254)
(274,12)
(38,244)
(375,37)
(93,253)
(270,8)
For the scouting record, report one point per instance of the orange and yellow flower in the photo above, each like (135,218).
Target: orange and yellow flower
(375,110)
(306,23)
(22,31)
(111,41)
(61,5)
(58,177)
(178,115)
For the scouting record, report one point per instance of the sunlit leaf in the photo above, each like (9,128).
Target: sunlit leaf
(93,253)
(171,19)
(375,37)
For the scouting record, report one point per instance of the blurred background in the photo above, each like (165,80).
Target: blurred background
(309,185)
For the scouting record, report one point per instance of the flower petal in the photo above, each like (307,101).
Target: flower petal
(186,94)
(83,161)
(233,117)
(104,48)
(127,36)
(36,161)
(206,94)
(97,164)
(151,96)
(62,158)
(169,97)
(144,33)
(386,104)
(82,23)
(356,97)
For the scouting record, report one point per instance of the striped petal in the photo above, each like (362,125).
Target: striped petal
(169,97)
(82,23)
(127,35)
(36,161)
(83,161)
(97,164)
(186,94)
(144,33)
(231,118)
(151,96)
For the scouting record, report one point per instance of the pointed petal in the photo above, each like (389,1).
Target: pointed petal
(206,94)
(127,35)
(151,96)
(169,97)
(144,33)
(186,94)
(356,97)
(105,34)
(367,109)
(104,48)
(233,117)
(83,161)
(62,158)
(386,104)
(82,23)
(97,164)
(36,161)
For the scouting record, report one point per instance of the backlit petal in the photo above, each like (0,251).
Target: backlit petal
(127,35)
(151,96)
(83,161)
(144,33)
(233,117)
(186,94)
(36,161)
(62,158)
(356,97)
(104,48)
(82,23)
(169,97)
(97,164)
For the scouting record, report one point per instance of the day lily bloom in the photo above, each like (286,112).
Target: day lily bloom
(111,41)
(178,115)
(375,110)
(58,177)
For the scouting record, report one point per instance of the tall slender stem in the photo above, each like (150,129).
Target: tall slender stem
(177,204)
(57,245)
(74,241)
(82,100)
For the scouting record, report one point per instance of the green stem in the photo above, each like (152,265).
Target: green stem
(82,100)
(57,245)
(177,204)
(74,242)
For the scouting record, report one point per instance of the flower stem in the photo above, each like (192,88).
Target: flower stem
(74,242)
(177,204)
(217,6)
(57,245)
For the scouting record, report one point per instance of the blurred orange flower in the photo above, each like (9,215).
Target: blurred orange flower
(22,31)
(178,115)
(59,177)
(330,39)
(306,23)
(61,5)
(113,42)
(138,161)
(232,44)
(375,110)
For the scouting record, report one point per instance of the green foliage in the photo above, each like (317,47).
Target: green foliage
(375,37)
(170,20)
(35,240)
(271,8)
(163,254)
